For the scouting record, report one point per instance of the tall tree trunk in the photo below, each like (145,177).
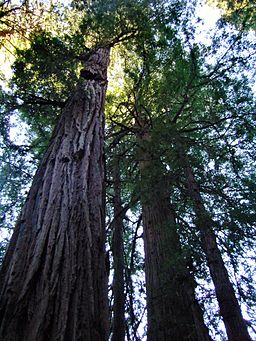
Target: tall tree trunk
(172,308)
(229,307)
(53,280)
(118,260)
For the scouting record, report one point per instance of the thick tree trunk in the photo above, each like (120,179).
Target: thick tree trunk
(118,260)
(229,307)
(173,313)
(53,280)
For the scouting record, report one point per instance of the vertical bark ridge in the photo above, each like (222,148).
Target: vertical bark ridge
(54,283)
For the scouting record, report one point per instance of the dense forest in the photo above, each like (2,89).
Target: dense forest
(127,170)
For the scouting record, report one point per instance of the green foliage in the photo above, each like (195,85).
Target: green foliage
(16,166)
(202,96)
(240,13)
(46,69)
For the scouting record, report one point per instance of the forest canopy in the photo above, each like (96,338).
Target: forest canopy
(169,167)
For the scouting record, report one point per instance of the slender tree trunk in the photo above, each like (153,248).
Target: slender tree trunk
(201,330)
(172,309)
(118,260)
(229,307)
(53,280)
(133,322)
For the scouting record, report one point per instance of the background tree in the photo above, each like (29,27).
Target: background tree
(118,257)
(197,104)
(169,284)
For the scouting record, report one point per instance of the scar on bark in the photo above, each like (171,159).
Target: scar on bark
(79,155)
(91,76)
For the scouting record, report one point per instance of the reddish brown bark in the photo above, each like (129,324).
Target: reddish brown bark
(173,313)
(229,307)
(53,280)
(118,333)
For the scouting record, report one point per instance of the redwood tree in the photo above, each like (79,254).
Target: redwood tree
(53,279)
(173,312)
(229,307)
(118,332)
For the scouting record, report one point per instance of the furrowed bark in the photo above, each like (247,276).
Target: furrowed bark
(118,260)
(228,304)
(173,313)
(53,280)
